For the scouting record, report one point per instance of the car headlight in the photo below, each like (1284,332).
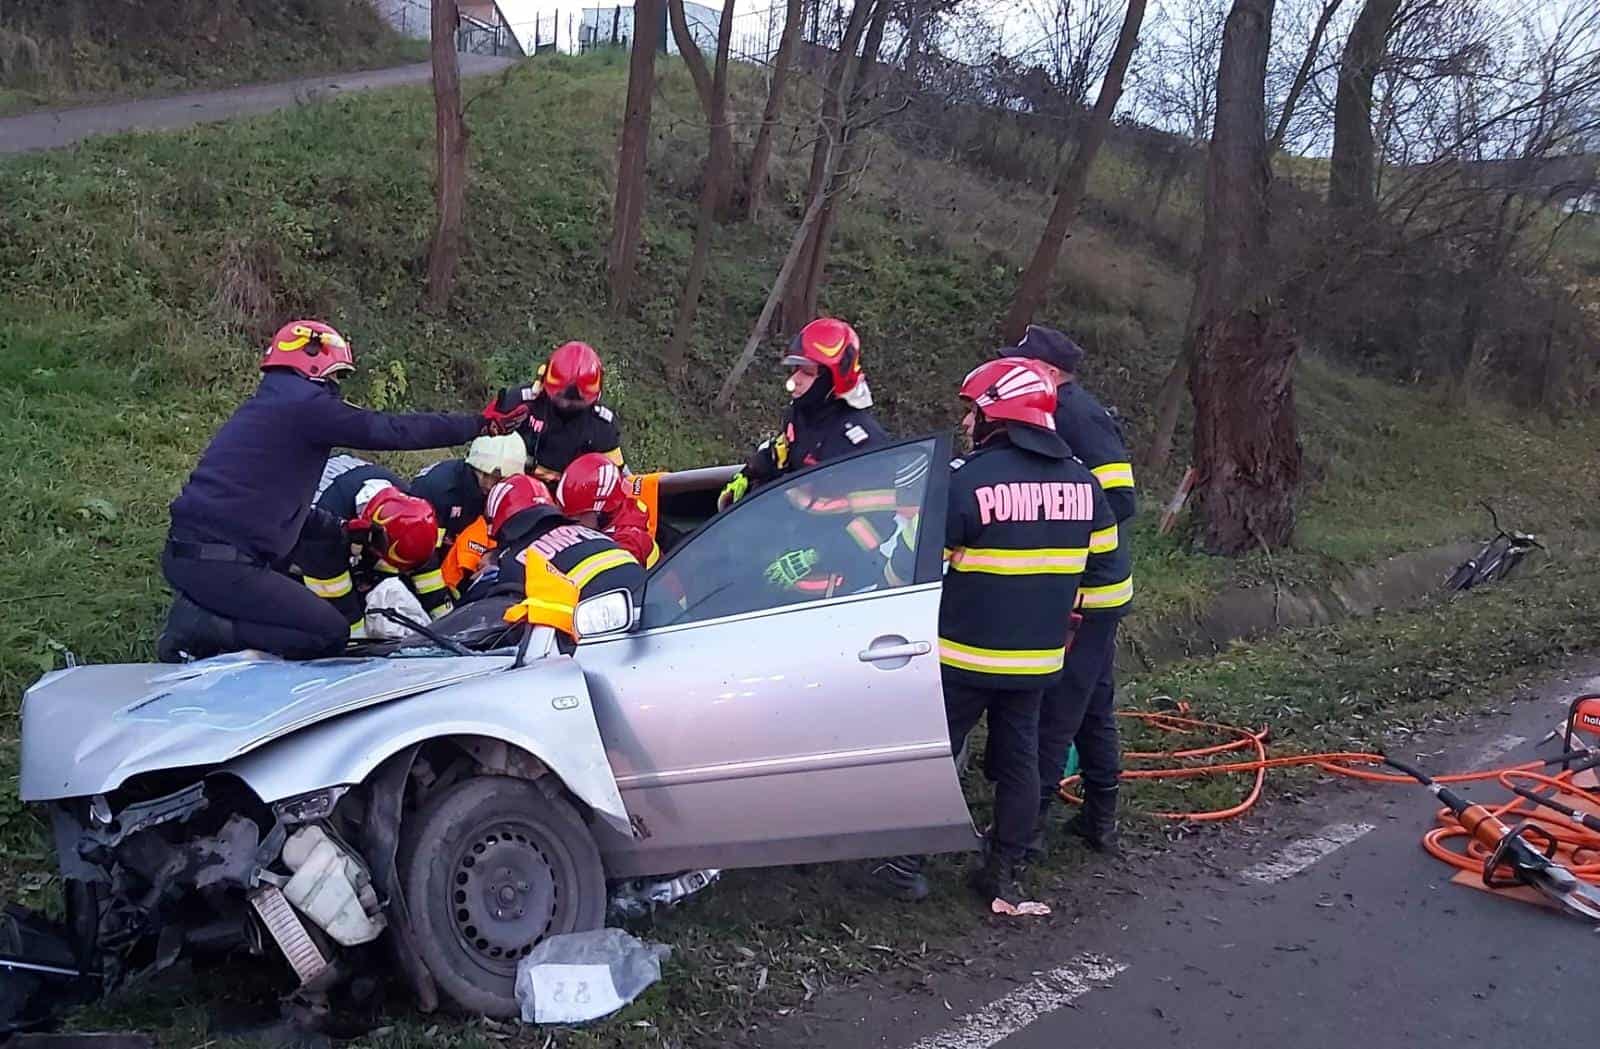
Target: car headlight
(606,614)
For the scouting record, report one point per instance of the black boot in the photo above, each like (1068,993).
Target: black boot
(1039,844)
(901,877)
(1096,822)
(995,878)
(193,633)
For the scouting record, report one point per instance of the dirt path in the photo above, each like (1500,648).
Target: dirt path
(52,129)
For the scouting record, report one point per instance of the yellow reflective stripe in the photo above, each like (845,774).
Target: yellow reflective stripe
(583,573)
(1112,595)
(1001,660)
(1114,475)
(1067,560)
(871,500)
(443,609)
(429,582)
(655,555)
(615,455)
(864,534)
(358,630)
(336,586)
(386,568)
(1103,541)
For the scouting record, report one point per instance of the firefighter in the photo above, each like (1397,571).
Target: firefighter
(523,516)
(456,488)
(828,416)
(565,418)
(594,492)
(383,532)
(1023,520)
(240,514)
(1080,710)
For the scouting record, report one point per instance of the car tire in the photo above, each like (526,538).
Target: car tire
(491,867)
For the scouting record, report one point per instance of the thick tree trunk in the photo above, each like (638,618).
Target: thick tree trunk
(1352,179)
(1302,76)
(1242,352)
(1036,278)
(719,128)
(826,159)
(761,156)
(632,149)
(714,181)
(450,178)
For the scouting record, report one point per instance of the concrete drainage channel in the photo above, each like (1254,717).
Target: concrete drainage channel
(1247,613)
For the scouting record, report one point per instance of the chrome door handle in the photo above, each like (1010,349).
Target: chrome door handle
(905,651)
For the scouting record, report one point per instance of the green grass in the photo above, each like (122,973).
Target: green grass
(141,271)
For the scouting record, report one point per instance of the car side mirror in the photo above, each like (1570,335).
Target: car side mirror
(609,613)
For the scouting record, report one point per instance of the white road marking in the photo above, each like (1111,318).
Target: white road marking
(1004,1017)
(1303,853)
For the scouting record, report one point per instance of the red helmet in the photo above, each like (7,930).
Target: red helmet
(592,483)
(405,526)
(830,344)
(573,374)
(1017,390)
(512,496)
(311,348)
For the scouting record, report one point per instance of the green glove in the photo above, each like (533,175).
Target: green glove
(792,567)
(734,491)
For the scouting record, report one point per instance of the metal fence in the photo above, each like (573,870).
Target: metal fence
(755,33)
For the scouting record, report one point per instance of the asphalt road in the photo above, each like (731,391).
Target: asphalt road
(1355,938)
(54,128)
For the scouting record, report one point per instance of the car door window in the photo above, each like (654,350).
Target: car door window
(846,527)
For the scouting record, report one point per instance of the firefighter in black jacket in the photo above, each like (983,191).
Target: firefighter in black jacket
(456,488)
(383,532)
(565,418)
(1024,519)
(237,520)
(828,416)
(522,515)
(1081,709)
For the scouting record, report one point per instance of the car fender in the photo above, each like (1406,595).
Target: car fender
(542,708)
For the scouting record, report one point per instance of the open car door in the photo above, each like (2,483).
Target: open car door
(779,700)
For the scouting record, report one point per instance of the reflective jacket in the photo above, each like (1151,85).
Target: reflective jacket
(555,439)
(1020,530)
(1096,439)
(451,488)
(589,558)
(254,483)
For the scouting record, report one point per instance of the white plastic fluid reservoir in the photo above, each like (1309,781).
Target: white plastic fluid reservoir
(331,888)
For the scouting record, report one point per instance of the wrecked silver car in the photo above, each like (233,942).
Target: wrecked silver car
(455,798)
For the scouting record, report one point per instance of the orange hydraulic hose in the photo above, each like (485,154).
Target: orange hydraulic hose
(1579,846)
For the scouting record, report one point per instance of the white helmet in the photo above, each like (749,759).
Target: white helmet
(502,456)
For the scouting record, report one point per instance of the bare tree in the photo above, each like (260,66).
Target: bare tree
(714,179)
(1177,86)
(1303,73)
(450,175)
(633,144)
(761,155)
(1243,348)
(715,109)
(1036,278)
(1352,179)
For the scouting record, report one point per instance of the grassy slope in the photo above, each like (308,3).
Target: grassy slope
(167,46)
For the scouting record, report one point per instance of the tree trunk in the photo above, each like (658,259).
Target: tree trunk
(1036,278)
(800,302)
(1302,76)
(761,157)
(1169,404)
(720,130)
(1352,167)
(1242,351)
(775,295)
(450,137)
(714,180)
(916,29)
(632,148)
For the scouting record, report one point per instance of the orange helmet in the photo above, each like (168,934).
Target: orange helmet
(573,375)
(592,483)
(405,529)
(512,496)
(311,348)
(830,344)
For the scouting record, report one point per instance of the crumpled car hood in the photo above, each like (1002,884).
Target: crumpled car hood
(86,730)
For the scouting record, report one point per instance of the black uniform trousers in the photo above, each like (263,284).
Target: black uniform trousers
(1013,749)
(269,609)
(1081,709)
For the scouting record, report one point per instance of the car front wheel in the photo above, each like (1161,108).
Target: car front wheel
(491,867)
